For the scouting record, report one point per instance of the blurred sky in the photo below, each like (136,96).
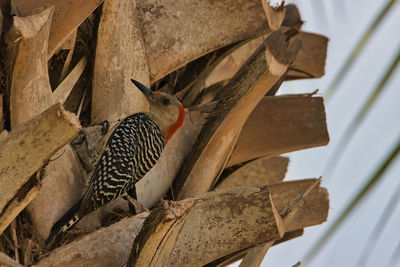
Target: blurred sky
(344,22)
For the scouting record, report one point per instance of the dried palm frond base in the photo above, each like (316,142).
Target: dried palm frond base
(217,193)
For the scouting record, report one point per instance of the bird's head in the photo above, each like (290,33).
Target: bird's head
(165,110)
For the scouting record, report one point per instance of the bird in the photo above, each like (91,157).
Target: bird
(131,149)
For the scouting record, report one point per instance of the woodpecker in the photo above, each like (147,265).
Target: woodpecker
(131,149)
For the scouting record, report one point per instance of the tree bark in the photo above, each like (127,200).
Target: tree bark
(25,150)
(218,137)
(91,249)
(120,56)
(63,90)
(229,259)
(109,246)
(281,124)
(30,91)
(1,22)
(173,37)
(200,230)
(263,171)
(255,256)
(62,172)
(309,63)
(7,261)
(194,232)
(1,114)
(67,18)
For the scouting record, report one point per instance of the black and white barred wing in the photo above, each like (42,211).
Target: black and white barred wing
(131,151)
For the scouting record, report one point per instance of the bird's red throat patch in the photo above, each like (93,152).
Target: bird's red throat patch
(175,126)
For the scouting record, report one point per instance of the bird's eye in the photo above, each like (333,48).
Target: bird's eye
(166,101)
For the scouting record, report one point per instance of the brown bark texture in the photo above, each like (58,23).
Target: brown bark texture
(30,90)
(220,134)
(172,35)
(109,246)
(25,150)
(201,230)
(282,124)
(68,16)
(262,171)
(120,56)
(309,62)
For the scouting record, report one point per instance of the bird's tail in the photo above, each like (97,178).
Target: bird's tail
(62,225)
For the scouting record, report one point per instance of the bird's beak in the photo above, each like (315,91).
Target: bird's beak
(145,90)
